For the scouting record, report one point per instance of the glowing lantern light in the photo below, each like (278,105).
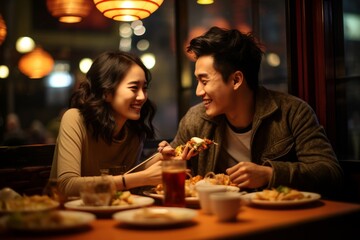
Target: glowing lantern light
(127,10)
(3,31)
(36,64)
(69,11)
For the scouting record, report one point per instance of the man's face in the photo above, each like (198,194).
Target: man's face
(217,96)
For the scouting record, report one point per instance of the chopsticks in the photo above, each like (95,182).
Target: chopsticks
(143,162)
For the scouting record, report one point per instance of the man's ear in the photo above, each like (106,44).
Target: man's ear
(238,79)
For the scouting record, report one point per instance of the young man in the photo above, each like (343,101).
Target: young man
(265,138)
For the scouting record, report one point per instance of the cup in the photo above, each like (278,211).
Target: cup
(204,192)
(97,193)
(173,177)
(226,205)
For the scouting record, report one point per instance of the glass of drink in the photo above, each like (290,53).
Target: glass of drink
(173,177)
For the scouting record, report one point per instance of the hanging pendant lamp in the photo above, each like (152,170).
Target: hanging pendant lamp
(205,2)
(127,10)
(36,64)
(69,11)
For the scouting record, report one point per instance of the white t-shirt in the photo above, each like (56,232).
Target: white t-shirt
(237,145)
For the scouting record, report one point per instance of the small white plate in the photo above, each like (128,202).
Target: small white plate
(70,220)
(139,201)
(309,197)
(188,200)
(155,216)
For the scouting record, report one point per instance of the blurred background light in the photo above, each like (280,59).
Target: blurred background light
(60,76)
(143,45)
(4,71)
(148,60)
(25,44)
(273,59)
(85,65)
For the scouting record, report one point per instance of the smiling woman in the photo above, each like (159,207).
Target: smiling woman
(109,119)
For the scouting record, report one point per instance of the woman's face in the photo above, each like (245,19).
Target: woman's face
(130,95)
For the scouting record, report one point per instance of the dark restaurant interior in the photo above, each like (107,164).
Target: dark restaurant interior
(310,51)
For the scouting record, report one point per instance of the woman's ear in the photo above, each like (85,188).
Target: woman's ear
(238,79)
(108,97)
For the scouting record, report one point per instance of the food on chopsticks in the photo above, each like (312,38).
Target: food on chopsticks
(28,203)
(196,143)
(192,182)
(281,193)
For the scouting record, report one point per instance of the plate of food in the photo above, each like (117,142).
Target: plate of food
(281,197)
(32,203)
(191,196)
(47,221)
(155,216)
(127,201)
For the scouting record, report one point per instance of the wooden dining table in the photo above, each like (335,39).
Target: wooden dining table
(322,219)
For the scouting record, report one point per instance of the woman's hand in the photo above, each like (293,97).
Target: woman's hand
(250,175)
(153,174)
(162,145)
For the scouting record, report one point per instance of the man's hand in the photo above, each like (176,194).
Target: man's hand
(250,175)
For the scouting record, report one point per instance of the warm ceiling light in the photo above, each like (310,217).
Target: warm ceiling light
(127,10)
(205,2)
(2,30)
(69,11)
(36,64)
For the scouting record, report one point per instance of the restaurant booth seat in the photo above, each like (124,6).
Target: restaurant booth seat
(26,169)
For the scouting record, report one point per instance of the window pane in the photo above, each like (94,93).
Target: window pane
(266,18)
(348,84)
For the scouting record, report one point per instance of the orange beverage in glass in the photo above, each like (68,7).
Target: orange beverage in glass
(173,175)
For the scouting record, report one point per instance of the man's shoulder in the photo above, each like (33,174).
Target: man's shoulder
(285,102)
(280,96)
(198,108)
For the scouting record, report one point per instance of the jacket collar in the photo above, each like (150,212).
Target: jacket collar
(265,105)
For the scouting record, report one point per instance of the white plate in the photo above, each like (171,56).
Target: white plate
(188,200)
(310,197)
(139,201)
(70,220)
(35,208)
(161,216)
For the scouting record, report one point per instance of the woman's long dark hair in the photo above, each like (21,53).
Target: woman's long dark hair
(102,79)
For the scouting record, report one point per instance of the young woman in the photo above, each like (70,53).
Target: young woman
(109,118)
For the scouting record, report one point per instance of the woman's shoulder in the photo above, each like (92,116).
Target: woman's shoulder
(72,115)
